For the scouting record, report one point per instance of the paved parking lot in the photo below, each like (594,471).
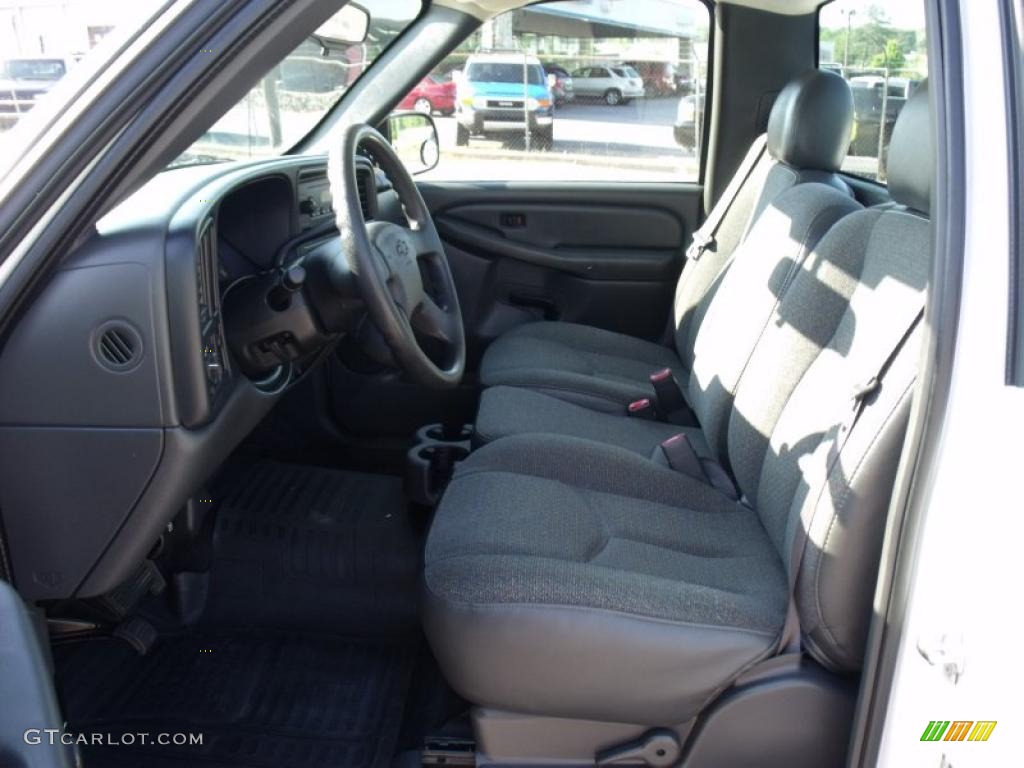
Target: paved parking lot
(633,142)
(593,142)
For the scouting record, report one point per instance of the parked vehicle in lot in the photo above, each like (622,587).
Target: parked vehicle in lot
(499,92)
(431,95)
(689,120)
(563,89)
(659,77)
(618,84)
(868,103)
(24,80)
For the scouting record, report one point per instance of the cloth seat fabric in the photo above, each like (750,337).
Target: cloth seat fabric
(569,578)
(808,131)
(763,269)
(636,589)
(508,411)
(579,363)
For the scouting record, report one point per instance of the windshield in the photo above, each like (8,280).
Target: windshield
(494,72)
(295,95)
(35,69)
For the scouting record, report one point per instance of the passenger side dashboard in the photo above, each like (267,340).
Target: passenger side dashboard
(118,393)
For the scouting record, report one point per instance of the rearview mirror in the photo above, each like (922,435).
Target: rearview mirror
(348,26)
(414,138)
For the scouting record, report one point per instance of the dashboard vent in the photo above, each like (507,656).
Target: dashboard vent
(207,278)
(367,184)
(118,346)
(315,173)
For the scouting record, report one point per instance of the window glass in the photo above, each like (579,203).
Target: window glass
(880,49)
(46,43)
(608,90)
(42,43)
(295,95)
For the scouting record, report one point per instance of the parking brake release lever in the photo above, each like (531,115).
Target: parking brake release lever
(658,748)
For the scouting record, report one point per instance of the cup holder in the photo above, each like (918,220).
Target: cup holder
(445,455)
(437,433)
(431,461)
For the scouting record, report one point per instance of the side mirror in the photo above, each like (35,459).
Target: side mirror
(348,26)
(414,138)
(552,81)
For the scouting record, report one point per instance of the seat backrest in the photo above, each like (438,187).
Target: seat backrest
(838,324)
(808,135)
(748,293)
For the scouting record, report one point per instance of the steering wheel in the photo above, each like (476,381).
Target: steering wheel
(389,263)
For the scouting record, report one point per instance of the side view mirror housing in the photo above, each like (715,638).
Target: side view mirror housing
(347,27)
(414,138)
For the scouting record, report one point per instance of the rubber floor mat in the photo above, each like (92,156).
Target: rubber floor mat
(256,698)
(301,547)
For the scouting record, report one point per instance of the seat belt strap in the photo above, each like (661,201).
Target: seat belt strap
(790,640)
(704,237)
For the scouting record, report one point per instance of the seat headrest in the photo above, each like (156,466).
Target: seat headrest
(911,156)
(809,126)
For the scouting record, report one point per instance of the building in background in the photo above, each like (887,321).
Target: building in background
(59,28)
(663,39)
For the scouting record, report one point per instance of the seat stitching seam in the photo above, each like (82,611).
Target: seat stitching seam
(587,609)
(734,507)
(811,364)
(786,285)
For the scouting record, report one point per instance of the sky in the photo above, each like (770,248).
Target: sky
(904,14)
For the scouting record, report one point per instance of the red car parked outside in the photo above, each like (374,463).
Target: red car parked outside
(431,95)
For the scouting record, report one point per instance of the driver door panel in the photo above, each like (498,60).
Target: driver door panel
(606,255)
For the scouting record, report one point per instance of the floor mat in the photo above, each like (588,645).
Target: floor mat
(257,699)
(297,547)
(302,644)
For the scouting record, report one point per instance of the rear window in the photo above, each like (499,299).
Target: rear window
(880,48)
(492,72)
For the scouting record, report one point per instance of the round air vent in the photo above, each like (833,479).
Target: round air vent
(118,346)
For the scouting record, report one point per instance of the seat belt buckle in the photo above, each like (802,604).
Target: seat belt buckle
(668,395)
(641,409)
(682,458)
(698,245)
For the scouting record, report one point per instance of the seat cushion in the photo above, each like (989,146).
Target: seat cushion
(590,366)
(506,411)
(569,578)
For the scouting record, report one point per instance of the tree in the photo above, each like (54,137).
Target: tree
(891,57)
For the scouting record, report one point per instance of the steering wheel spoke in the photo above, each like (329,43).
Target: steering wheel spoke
(433,322)
(392,261)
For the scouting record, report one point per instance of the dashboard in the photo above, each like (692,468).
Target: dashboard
(123,373)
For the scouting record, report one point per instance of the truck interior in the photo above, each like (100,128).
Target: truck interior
(343,467)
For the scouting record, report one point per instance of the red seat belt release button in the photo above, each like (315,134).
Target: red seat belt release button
(641,409)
